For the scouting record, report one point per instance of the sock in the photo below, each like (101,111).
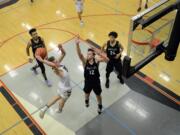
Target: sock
(60,109)
(45,108)
(87,101)
(100,106)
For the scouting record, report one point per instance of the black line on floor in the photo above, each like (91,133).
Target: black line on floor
(20,112)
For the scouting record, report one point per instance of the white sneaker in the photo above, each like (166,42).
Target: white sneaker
(48,83)
(41,114)
(58,110)
(81,23)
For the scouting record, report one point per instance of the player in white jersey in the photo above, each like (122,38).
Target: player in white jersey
(79,8)
(64,85)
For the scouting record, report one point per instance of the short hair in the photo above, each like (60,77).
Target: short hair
(32,30)
(113,33)
(91,50)
(51,59)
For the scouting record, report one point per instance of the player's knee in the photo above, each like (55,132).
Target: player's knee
(98,94)
(43,70)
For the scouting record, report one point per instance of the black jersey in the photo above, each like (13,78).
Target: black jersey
(39,44)
(91,71)
(112,51)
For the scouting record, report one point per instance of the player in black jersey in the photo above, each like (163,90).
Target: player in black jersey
(91,75)
(36,42)
(113,51)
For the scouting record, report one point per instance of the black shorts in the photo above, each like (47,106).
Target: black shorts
(112,64)
(92,85)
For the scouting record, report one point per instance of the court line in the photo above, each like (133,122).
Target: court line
(56,21)
(28,62)
(18,34)
(2,83)
(150,84)
(3,13)
(158,89)
(110,114)
(70,18)
(65,19)
(161,91)
(22,107)
(106,5)
(25,118)
(115,118)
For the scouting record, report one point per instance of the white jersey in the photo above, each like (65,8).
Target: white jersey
(64,82)
(79,2)
(79,5)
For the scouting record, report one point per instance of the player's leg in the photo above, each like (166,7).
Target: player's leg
(87,91)
(34,69)
(79,9)
(118,68)
(87,99)
(48,105)
(97,90)
(99,100)
(109,69)
(146,5)
(80,15)
(139,8)
(42,67)
(87,94)
(61,105)
(62,101)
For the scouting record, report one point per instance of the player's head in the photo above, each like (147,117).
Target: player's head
(90,54)
(112,36)
(52,59)
(33,33)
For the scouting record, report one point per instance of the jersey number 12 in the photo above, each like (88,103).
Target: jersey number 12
(91,72)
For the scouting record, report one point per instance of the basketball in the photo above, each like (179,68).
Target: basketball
(41,52)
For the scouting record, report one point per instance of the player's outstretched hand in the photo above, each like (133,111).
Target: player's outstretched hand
(77,39)
(30,60)
(60,46)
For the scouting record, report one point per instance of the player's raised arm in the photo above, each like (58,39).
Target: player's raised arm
(103,47)
(63,53)
(81,56)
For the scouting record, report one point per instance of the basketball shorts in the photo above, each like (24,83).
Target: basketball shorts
(64,94)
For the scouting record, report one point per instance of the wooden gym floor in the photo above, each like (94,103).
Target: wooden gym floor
(57,22)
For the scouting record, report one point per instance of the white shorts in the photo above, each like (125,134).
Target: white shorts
(79,8)
(64,94)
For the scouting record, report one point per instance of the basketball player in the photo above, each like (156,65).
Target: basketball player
(64,90)
(140,4)
(79,8)
(113,50)
(35,43)
(91,75)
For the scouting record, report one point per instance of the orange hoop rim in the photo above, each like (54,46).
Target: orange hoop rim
(142,43)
